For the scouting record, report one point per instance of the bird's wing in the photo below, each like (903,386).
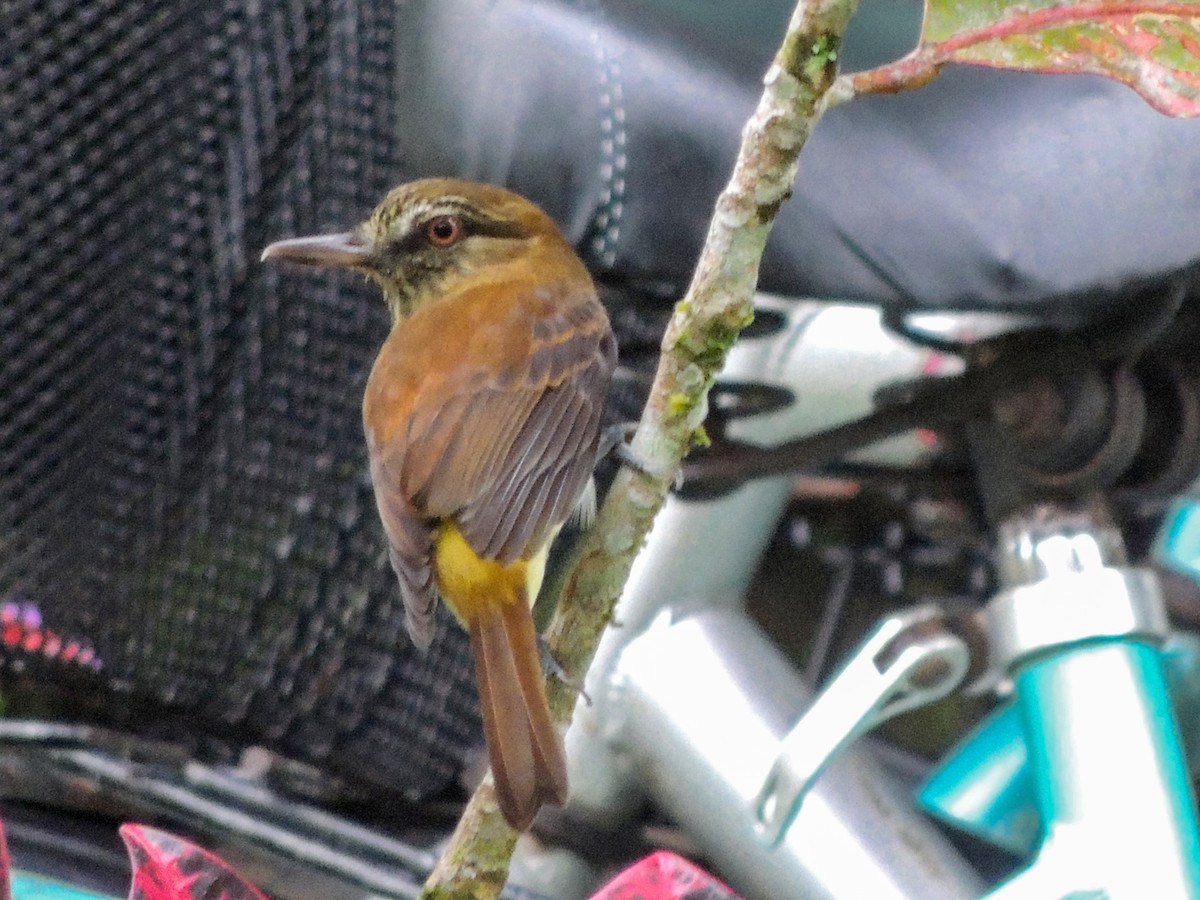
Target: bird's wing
(410,550)
(510,449)
(503,441)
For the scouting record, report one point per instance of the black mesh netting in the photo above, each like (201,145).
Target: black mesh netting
(182,478)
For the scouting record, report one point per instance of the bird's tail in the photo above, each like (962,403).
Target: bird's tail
(526,752)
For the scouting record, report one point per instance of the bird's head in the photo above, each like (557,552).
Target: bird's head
(425,234)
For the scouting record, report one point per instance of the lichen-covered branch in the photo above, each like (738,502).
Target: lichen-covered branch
(474,865)
(718,305)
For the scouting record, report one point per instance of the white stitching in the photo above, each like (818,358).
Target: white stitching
(613,161)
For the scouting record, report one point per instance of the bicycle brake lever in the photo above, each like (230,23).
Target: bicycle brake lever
(909,660)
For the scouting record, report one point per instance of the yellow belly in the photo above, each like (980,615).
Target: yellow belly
(474,588)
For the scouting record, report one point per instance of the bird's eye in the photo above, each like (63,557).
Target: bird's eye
(442,231)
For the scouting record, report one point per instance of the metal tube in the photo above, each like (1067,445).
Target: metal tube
(1110,778)
(984,786)
(728,535)
(1080,635)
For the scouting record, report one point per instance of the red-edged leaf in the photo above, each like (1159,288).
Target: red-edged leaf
(5,866)
(664,876)
(166,867)
(1151,45)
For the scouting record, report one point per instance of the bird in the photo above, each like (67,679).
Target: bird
(482,416)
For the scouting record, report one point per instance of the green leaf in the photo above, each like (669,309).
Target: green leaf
(1154,47)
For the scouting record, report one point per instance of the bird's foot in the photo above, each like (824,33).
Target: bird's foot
(615,439)
(554,669)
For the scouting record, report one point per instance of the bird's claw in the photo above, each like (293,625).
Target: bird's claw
(615,440)
(554,668)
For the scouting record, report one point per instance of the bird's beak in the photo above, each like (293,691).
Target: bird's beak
(340,251)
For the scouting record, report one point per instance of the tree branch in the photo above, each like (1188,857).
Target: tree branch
(718,305)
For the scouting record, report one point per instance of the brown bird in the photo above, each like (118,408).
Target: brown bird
(482,417)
